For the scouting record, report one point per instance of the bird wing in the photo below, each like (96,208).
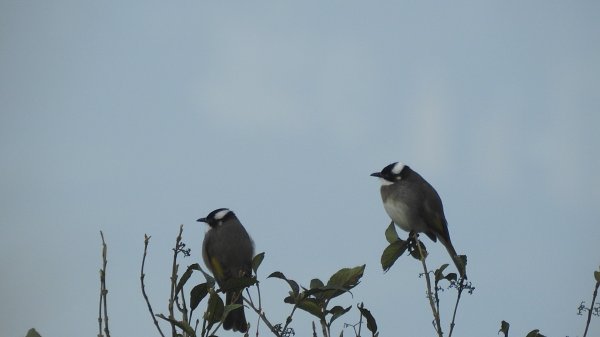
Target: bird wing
(210,258)
(432,204)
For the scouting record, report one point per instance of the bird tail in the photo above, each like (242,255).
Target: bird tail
(458,261)
(236,319)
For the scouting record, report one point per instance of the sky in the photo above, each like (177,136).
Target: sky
(137,117)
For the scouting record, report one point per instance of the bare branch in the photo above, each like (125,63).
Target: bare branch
(436,314)
(103,292)
(142,275)
(262,316)
(589,318)
(174,270)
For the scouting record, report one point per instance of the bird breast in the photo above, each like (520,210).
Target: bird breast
(399,213)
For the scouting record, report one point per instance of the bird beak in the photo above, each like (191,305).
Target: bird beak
(202,220)
(376,174)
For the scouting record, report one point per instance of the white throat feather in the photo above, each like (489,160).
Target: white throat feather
(385,182)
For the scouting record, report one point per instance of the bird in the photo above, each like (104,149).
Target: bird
(227,251)
(415,206)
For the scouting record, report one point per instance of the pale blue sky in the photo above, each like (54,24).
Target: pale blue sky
(137,117)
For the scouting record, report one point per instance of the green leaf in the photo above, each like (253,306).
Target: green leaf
(390,233)
(451,277)
(32,333)
(597,276)
(317,288)
(316,283)
(504,326)
(197,294)
(229,308)
(535,333)
(215,308)
(391,253)
(311,306)
(209,279)
(328,292)
(371,323)
(186,276)
(343,280)
(257,260)
(347,277)
(439,273)
(293,284)
(336,312)
(290,300)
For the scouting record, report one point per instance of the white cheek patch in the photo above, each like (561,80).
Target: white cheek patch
(385,182)
(398,168)
(221,214)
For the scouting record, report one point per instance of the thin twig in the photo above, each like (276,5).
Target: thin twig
(460,290)
(101,293)
(142,275)
(183,309)
(216,328)
(325,328)
(103,290)
(360,320)
(100,309)
(589,318)
(204,321)
(436,296)
(174,270)
(262,316)
(259,305)
(436,314)
(196,326)
(288,320)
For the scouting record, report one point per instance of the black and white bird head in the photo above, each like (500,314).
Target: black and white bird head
(217,217)
(392,173)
